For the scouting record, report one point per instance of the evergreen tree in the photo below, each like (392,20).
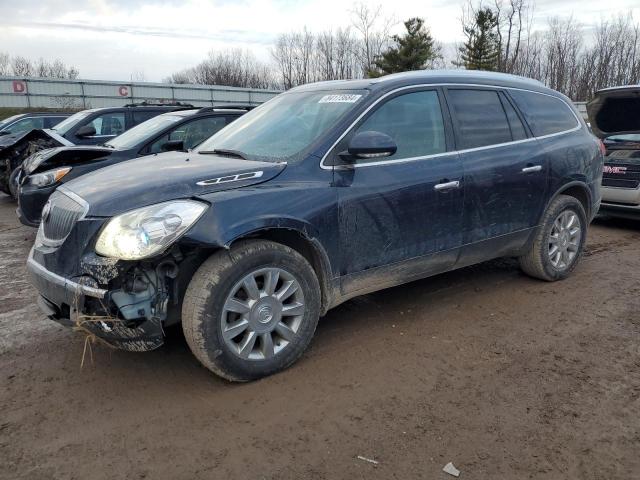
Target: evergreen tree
(415,50)
(481,51)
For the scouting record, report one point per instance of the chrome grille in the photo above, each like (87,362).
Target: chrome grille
(59,216)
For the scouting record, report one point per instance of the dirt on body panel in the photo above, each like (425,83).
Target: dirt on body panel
(502,375)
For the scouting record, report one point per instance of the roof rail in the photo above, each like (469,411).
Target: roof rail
(149,104)
(230,106)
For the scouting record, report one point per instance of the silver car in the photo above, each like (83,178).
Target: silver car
(614,114)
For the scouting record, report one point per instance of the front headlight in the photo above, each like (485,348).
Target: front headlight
(147,231)
(49,177)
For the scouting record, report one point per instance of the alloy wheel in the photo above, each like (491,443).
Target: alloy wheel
(564,239)
(263,313)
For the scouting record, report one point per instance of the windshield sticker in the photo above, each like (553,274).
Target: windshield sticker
(343,98)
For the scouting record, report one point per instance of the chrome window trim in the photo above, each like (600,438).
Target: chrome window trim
(453,152)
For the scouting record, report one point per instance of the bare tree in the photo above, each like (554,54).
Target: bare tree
(374,31)
(23,67)
(514,19)
(5,64)
(138,76)
(302,57)
(284,58)
(234,68)
(613,58)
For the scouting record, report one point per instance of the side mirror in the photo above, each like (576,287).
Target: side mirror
(86,131)
(371,144)
(172,145)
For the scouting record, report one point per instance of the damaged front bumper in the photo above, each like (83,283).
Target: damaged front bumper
(123,319)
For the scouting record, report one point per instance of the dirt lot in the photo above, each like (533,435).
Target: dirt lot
(505,376)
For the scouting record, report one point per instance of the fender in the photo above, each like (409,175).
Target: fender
(250,227)
(299,235)
(572,183)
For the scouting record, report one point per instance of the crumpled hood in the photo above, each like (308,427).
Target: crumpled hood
(166,176)
(11,139)
(615,111)
(50,136)
(65,156)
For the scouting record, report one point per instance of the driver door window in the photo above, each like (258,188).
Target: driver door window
(192,133)
(414,121)
(108,125)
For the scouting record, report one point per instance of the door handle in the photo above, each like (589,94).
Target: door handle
(447,186)
(532,169)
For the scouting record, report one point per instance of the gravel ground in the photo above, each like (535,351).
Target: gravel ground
(505,376)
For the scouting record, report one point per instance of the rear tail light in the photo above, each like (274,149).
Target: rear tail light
(603,149)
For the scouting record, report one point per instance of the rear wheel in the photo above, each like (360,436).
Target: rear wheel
(251,311)
(558,244)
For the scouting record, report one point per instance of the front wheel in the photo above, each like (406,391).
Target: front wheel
(558,244)
(13,183)
(251,311)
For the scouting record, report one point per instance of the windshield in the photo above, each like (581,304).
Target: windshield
(142,132)
(70,122)
(7,121)
(285,127)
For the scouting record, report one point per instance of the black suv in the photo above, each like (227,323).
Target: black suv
(88,127)
(46,170)
(328,191)
(25,122)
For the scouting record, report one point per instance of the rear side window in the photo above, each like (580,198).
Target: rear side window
(52,121)
(544,114)
(517,129)
(139,117)
(480,118)
(414,121)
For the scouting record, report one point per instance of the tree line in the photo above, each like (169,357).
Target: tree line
(20,66)
(564,55)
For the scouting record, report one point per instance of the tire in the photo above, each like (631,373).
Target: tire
(13,184)
(211,305)
(541,261)
(4,178)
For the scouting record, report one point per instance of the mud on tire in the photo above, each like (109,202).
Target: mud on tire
(537,262)
(219,284)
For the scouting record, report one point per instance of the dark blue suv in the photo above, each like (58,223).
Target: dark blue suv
(326,192)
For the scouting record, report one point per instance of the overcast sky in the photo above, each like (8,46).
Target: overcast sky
(111,39)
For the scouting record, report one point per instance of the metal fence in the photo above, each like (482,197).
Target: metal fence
(20,92)
(17,92)
(582,108)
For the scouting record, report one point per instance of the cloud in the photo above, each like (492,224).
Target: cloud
(226,35)
(109,39)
